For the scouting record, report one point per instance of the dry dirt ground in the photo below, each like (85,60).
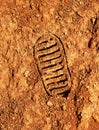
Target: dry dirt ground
(24,102)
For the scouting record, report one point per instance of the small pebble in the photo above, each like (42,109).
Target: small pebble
(64,107)
(49,103)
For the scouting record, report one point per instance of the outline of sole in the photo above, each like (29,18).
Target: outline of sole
(51,61)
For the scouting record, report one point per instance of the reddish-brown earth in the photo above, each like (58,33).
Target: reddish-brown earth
(24,103)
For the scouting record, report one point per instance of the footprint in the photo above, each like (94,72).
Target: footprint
(51,61)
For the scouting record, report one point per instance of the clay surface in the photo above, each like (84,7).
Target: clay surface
(24,103)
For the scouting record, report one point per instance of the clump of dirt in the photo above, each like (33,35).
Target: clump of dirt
(24,103)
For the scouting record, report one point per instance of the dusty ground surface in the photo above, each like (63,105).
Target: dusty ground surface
(24,103)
